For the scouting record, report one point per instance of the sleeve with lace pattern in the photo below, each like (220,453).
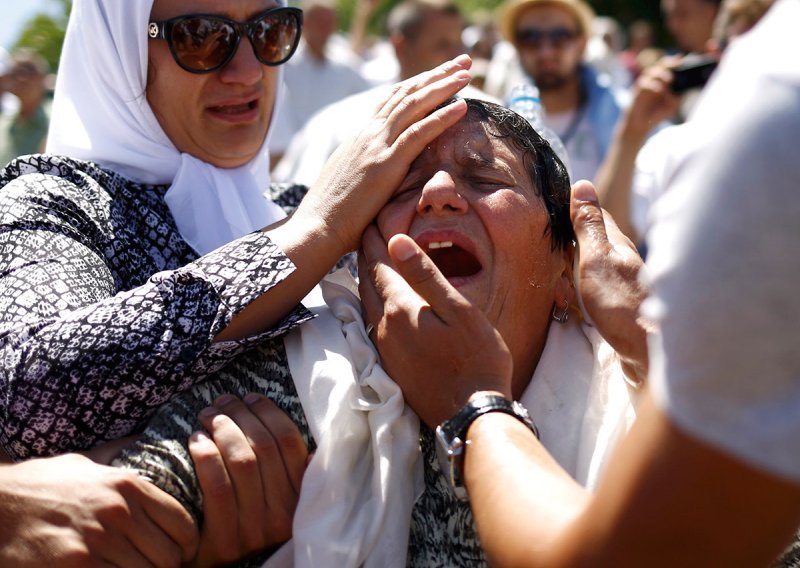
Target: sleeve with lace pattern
(105,313)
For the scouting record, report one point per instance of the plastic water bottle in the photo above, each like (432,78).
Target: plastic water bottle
(524,100)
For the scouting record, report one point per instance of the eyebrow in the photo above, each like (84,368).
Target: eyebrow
(480,161)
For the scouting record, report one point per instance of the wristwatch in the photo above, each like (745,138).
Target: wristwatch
(451,435)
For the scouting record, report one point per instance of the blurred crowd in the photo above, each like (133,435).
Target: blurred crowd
(132,260)
(585,66)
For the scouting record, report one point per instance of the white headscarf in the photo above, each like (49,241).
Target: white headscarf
(100,113)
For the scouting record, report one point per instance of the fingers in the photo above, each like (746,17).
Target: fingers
(149,521)
(219,498)
(595,228)
(290,444)
(372,257)
(409,110)
(250,475)
(236,432)
(384,292)
(451,73)
(165,532)
(424,277)
(587,218)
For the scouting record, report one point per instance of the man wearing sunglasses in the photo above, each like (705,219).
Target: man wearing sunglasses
(550,37)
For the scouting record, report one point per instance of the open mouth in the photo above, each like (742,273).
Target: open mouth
(452,260)
(235,109)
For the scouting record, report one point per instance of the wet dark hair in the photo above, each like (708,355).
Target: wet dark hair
(546,171)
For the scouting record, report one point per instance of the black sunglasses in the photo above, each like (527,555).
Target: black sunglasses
(534,38)
(202,43)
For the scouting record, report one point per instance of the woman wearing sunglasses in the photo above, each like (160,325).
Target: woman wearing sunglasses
(133,260)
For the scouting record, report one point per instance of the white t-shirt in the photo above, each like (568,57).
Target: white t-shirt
(579,140)
(654,163)
(723,261)
(312,85)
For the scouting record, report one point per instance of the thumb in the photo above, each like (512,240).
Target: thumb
(424,277)
(587,217)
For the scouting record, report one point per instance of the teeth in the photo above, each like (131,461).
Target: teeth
(233,109)
(440,245)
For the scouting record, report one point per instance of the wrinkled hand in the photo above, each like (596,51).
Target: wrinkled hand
(608,280)
(361,175)
(250,475)
(437,346)
(69,511)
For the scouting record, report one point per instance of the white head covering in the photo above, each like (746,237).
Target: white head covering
(100,113)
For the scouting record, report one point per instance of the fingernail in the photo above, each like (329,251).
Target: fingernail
(250,398)
(199,438)
(208,412)
(584,192)
(224,399)
(404,249)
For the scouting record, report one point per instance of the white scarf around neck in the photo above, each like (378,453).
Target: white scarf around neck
(361,485)
(100,113)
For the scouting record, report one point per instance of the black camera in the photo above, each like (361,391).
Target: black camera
(692,73)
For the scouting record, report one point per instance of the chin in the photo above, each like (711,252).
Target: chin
(230,160)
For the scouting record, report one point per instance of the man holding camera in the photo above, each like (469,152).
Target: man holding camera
(550,37)
(635,172)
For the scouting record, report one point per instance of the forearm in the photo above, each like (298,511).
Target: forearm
(358,25)
(312,251)
(522,500)
(665,499)
(96,372)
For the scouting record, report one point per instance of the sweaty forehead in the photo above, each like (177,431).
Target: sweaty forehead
(470,142)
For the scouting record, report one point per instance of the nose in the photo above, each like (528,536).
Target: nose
(243,68)
(440,197)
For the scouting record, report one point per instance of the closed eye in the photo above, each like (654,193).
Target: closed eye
(486,183)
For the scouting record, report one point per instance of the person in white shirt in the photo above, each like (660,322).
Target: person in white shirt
(318,74)
(424,33)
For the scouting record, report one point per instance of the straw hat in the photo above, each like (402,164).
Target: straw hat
(513,8)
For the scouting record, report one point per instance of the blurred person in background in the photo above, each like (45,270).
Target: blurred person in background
(550,37)
(320,73)
(604,52)
(25,131)
(639,164)
(423,33)
(690,22)
(5,63)
(641,36)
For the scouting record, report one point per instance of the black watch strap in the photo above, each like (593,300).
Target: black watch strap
(451,435)
(484,404)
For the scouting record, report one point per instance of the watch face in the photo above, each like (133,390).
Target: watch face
(450,454)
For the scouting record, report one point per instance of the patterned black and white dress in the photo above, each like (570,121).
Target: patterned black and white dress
(107,324)
(105,312)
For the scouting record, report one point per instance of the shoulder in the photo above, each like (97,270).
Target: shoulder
(59,177)
(42,186)
(41,174)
